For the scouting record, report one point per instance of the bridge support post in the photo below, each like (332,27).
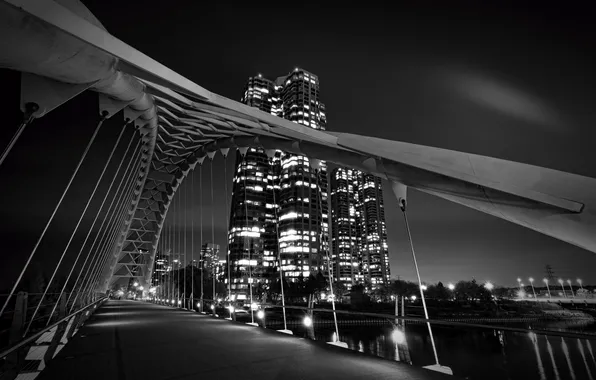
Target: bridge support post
(15,360)
(58,342)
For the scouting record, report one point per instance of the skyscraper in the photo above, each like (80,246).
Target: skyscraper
(359,234)
(279,202)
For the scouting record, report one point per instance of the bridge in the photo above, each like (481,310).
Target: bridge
(65,62)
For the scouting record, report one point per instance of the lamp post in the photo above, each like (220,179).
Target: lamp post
(532,284)
(452,288)
(547,288)
(562,287)
(519,283)
(571,288)
(579,281)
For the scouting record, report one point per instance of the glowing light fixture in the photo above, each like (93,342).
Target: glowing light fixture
(260,314)
(398,336)
(307,321)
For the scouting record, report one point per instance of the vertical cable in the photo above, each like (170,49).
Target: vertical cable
(122,179)
(276,221)
(430,331)
(75,231)
(201,258)
(185,263)
(192,239)
(329,266)
(72,177)
(227,212)
(212,239)
(30,109)
(252,316)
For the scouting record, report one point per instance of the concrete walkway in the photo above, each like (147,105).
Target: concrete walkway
(129,340)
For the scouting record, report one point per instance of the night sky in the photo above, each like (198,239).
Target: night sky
(510,82)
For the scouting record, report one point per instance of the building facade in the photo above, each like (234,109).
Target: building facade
(160,268)
(360,253)
(279,201)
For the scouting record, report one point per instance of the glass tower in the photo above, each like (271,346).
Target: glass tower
(360,250)
(279,196)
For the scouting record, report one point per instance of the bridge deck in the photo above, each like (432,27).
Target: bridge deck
(135,340)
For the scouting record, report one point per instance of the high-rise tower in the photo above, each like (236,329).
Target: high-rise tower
(283,191)
(360,250)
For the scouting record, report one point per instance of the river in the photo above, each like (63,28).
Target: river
(476,354)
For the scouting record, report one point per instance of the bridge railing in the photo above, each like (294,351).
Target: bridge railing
(30,336)
(493,348)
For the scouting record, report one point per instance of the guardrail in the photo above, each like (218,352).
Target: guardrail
(546,353)
(43,343)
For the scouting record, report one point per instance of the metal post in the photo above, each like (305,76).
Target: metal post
(15,360)
(60,330)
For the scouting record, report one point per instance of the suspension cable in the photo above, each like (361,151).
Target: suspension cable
(110,212)
(185,257)
(30,109)
(227,229)
(192,239)
(76,230)
(110,243)
(70,181)
(177,242)
(212,239)
(276,222)
(124,175)
(244,164)
(430,331)
(319,197)
(201,254)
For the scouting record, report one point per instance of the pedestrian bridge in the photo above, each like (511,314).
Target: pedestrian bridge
(57,60)
(139,340)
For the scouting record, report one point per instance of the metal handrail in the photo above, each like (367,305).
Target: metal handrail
(562,334)
(445,323)
(33,337)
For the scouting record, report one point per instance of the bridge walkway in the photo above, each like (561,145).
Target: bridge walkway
(129,340)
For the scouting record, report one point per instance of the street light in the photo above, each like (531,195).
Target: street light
(307,321)
(519,283)
(451,286)
(423,287)
(532,283)
(570,287)
(141,288)
(136,284)
(547,288)
(489,286)
(562,287)
(579,281)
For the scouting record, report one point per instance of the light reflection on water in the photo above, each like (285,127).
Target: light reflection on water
(476,354)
